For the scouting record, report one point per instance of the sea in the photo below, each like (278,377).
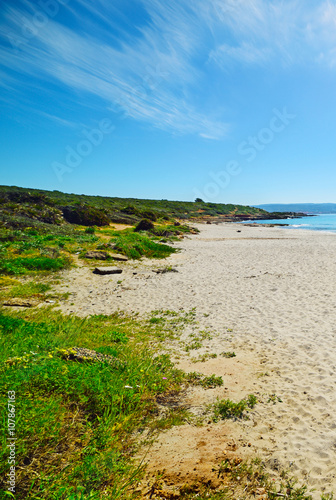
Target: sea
(323,222)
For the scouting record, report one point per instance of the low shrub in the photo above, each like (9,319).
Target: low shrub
(144,225)
(225,408)
(85,215)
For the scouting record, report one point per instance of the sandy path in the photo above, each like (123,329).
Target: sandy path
(276,288)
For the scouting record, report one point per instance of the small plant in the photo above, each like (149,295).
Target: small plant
(228,354)
(227,466)
(273,398)
(167,269)
(226,408)
(292,492)
(224,467)
(193,346)
(205,335)
(212,381)
(204,357)
(90,230)
(118,337)
(251,400)
(176,416)
(208,382)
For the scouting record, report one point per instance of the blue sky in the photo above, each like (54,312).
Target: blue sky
(229,100)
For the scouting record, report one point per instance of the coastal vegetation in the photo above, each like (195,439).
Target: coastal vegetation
(48,247)
(76,415)
(91,391)
(21,207)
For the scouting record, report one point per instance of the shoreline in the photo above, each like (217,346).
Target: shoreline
(286,226)
(275,291)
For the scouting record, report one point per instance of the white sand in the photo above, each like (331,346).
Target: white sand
(276,288)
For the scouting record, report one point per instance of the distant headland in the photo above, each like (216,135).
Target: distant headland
(307,208)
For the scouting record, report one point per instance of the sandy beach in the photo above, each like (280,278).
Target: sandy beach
(269,295)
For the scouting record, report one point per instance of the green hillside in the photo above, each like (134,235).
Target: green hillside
(21,206)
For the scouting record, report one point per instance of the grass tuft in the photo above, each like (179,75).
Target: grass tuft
(208,382)
(22,265)
(225,408)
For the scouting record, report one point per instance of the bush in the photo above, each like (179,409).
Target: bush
(27,197)
(130,210)
(228,409)
(144,225)
(86,216)
(149,214)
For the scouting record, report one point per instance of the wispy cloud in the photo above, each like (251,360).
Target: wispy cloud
(153,69)
(150,77)
(245,53)
(285,33)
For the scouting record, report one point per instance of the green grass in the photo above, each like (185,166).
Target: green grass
(197,338)
(208,382)
(32,251)
(204,357)
(28,289)
(135,245)
(175,417)
(22,265)
(75,419)
(170,324)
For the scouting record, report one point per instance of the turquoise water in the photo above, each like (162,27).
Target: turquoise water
(325,222)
